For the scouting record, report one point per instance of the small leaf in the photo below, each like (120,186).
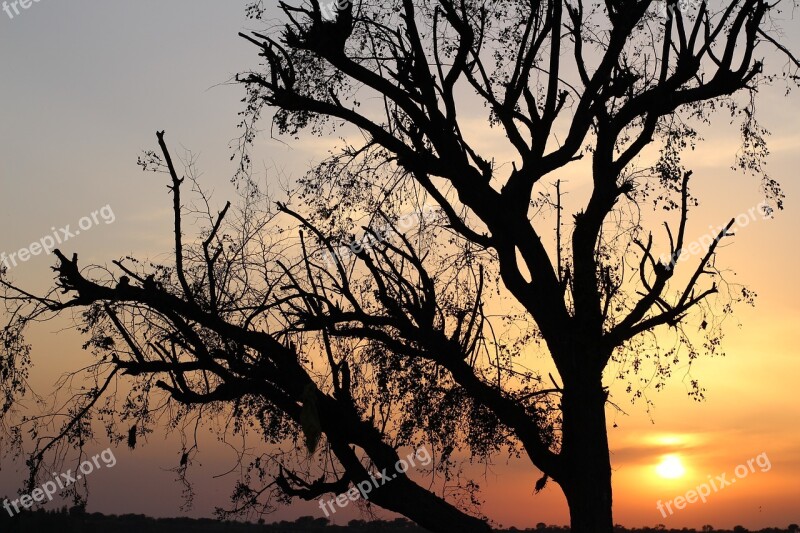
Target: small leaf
(541,483)
(132,437)
(309,419)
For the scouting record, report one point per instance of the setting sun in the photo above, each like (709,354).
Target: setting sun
(670,467)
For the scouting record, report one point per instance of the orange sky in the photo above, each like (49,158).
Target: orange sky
(85,85)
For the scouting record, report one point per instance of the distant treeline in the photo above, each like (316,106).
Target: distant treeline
(77,521)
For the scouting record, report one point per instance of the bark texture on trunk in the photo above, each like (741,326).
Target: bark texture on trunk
(587,466)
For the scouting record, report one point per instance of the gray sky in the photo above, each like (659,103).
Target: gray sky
(85,85)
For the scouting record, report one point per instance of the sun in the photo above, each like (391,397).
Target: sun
(670,467)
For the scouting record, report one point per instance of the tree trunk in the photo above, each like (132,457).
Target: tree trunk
(587,466)
(428,510)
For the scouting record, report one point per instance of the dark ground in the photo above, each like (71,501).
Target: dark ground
(77,522)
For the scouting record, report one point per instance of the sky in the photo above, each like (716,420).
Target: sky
(85,86)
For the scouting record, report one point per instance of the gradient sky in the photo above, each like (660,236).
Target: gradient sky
(84,87)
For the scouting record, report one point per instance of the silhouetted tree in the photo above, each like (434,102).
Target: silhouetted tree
(394,344)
